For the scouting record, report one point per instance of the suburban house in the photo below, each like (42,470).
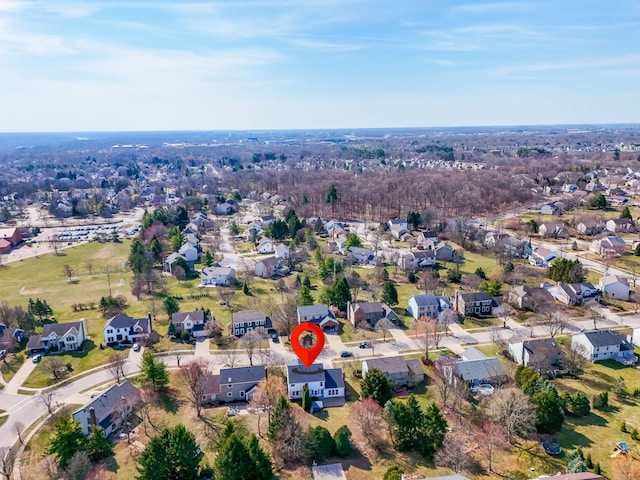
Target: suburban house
(125,329)
(541,257)
(193,322)
(224,209)
(553,230)
(170,260)
(476,304)
(621,225)
(10,338)
(108,410)
(549,209)
(424,305)
(399,233)
(369,312)
(245,321)
(281,251)
(574,293)
(58,337)
(320,315)
(325,385)
(614,287)
(210,387)
(494,237)
(603,345)
(542,354)
(265,245)
(607,247)
(418,260)
(362,256)
(590,228)
(269,267)
(528,298)
(398,222)
(476,368)
(217,276)
(190,253)
(444,252)
(239,384)
(9,238)
(400,372)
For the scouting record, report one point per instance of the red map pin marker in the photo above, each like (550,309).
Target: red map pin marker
(303,345)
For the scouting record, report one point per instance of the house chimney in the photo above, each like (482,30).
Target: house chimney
(455,301)
(92,417)
(150,323)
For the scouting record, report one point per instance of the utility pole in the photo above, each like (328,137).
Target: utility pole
(108,279)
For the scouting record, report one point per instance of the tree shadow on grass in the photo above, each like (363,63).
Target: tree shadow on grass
(168,400)
(350,393)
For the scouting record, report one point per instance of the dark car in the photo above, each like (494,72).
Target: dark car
(274,337)
(365,345)
(346,353)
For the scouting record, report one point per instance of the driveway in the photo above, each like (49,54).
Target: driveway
(332,345)
(202,347)
(21,376)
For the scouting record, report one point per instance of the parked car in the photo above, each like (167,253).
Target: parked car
(274,337)
(37,358)
(365,345)
(346,353)
(136,347)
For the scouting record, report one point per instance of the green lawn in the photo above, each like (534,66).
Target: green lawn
(11,364)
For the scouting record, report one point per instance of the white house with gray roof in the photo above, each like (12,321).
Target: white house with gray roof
(217,276)
(604,345)
(614,287)
(326,385)
(108,410)
(125,329)
(424,305)
(192,322)
(58,337)
(318,314)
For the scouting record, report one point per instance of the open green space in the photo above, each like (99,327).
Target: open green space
(11,364)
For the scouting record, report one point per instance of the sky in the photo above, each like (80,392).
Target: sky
(70,65)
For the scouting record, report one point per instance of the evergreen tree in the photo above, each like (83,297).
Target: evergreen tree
(97,445)
(155,248)
(339,294)
(393,473)
(245,288)
(376,386)
(171,455)
(263,467)
(67,439)
(306,398)
(153,371)
(278,417)
(389,294)
(598,202)
(454,275)
(171,306)
(492,287)
(342,438)
(414,220)
(626,213)
(318,444)
(565,270)
(207,259)
(305,297)
(550,413)
(480,273)
(353,240)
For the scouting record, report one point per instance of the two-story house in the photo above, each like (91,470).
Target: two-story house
(369,313)
(399,371)
(574,293)
(58,337)
(125,329)
(239,384)
(248,320)
(590,228)
(621,225)
(418,260)
(192,322)
(603,345)
(325,385)
(528,298)
(267,267)
(362,256)
(614,286)
(541,257)
(424,305)
(542,354)
(608,247)
(217,276)
(476,304)
(265,245)
(108,410)
(553,230)
(320,315)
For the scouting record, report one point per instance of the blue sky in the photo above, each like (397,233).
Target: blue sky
(269,64)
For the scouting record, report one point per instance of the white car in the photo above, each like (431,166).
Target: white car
(483,389)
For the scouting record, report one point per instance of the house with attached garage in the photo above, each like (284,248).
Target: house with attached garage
(281,251)
(248,320)
(608,247)
(574,293)
(265,245)
(325,385)
(590,228)
(541,257)
(270,267)
(193,322)
(108,410)
(418,260)
(125,329)
(398,222)
(217,276)
(424,305)
(621,225)
(553,230)
(615,287)
(239,384)
(603,345)
(58,337)
(320,315)
(399,371)
(528,298)
(369,313)
(542,354)
(476,368)
(362,256)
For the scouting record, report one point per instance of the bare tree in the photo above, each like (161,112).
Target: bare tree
(384,325)
(7,462)
(286,315)
(490,439)
(369,425)
(445,377)
(553,320)
(594,312)
(78,467)
(55,242)
(575,357)
(230,358)
(625,467)
(50,467)
(47,397)
(68,271)
(55,366)
(193,377)
(227,296)
(428,333)
(18,427)
(429,281)
(268,392)
(251,341)
(89,266)
(446,318)
(504,313)
(117,361)
(456,453)
(512,410)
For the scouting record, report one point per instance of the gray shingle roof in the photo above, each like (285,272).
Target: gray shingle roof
(426,300)
(298,373)
(480,369)
(475,297)
(242,374)
(313,310)
(61,328)
(248,316)
(180,317)
(106,403)
(333,378)
(125,321)
(602,338)
(369,307)
(388,364)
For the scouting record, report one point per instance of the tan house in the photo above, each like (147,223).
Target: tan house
(400,372)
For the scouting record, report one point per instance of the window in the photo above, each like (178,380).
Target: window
(71,339)
(230,386)
(229,394)
(242,394)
